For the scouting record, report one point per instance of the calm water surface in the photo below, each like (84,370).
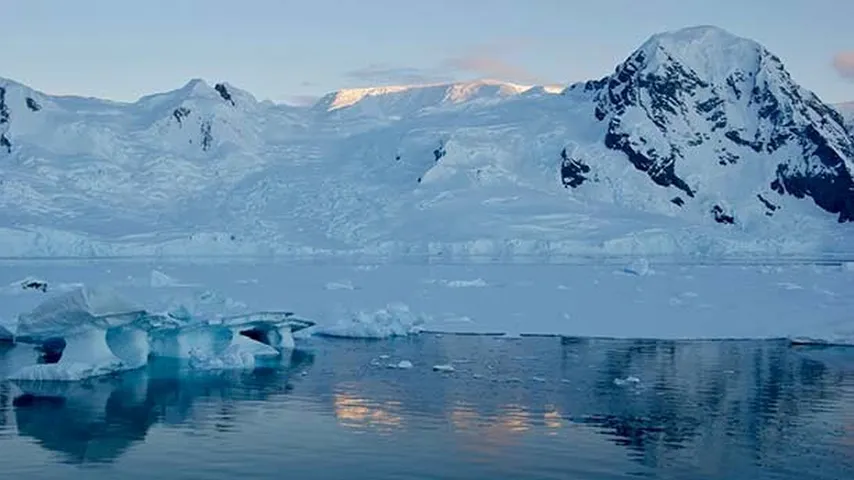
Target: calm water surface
(538,408)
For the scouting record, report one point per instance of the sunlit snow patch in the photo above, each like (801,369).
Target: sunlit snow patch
(395,320)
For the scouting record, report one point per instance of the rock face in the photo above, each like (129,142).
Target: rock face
(702,95)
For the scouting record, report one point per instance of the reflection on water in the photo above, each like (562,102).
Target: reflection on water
(362,413)
(532,408)
(100,419)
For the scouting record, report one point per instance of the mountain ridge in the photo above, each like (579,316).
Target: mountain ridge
(678,151)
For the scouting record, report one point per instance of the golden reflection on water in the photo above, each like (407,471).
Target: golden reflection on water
(464,417)
(362,414)
(552,419)
(514,419)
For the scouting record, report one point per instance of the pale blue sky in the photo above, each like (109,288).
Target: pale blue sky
(287,49)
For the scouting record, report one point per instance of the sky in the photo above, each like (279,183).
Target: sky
(294,51)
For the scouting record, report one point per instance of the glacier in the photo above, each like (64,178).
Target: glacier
(94,331)
(699,144)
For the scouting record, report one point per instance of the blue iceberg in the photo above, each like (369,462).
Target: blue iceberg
(95,331)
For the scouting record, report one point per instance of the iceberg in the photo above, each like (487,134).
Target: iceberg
(89,332)
(395,320)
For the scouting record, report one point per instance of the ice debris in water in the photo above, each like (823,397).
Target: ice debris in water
(626,381)
(90,332)
(395,320)
(444,368)
(342,285)
(639,266)
(403,365)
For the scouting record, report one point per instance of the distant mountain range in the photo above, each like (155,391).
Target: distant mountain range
(699,143)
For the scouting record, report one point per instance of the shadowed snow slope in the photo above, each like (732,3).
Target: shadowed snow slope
(847,110)
(699,143)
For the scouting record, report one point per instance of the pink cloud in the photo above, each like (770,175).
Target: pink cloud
(490,60)
(843,62)
(493,67)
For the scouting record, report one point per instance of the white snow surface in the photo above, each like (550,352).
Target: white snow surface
(189,173)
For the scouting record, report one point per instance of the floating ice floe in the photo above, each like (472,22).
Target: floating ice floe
(630,380)
(838,340)
(395,320)
(91,332)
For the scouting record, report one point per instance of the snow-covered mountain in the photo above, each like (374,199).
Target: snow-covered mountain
(847,111)
(700,142)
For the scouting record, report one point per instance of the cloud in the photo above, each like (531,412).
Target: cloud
(490,60)
(384,74)
(491,67)
(843,62)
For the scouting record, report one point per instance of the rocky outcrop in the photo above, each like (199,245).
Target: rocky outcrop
(686,93)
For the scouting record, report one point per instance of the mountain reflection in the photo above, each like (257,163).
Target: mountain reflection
(689,404)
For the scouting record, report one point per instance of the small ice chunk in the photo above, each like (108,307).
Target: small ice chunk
(342,285)
(626,381)
(444,368)
(538,379)
(638,266)
(404,364)
(384,357)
